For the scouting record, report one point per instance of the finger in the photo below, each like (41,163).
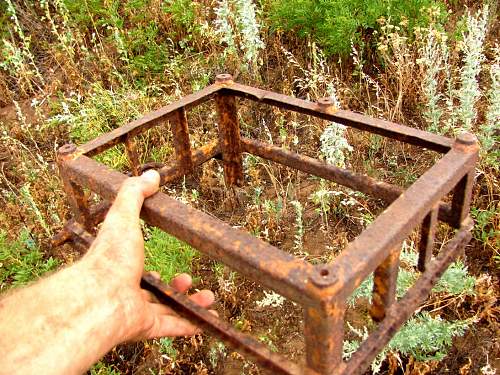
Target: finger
(127,205)
(204,298)
(169,325)
(155,274)
(182,282)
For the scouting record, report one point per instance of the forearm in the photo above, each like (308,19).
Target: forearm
(61,325)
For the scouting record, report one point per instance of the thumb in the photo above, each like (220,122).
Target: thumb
(128,202)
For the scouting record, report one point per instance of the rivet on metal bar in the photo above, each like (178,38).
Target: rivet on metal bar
(426,243)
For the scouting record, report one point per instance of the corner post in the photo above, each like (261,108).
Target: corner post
(181,141)
(462,194)
(384,285)
(229,134)
(324,326)
(77,200)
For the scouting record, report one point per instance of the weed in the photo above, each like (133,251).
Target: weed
(335,24)
(423,336)
(271,299)
(299,227)
(101,368)
(22,261)
(472,45)
(166,348)
(167,255)
(236,25)
(489,134)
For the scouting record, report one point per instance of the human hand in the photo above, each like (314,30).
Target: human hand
(117,259)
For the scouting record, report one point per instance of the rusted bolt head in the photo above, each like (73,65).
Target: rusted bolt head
(466,138)
(325,102)
(224,78)
(323,276)
(67,149)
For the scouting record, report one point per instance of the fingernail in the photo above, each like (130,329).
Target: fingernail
(150,175)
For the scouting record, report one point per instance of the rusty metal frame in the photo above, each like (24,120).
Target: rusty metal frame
(323,289)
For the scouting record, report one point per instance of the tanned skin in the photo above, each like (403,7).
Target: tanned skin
(66,322)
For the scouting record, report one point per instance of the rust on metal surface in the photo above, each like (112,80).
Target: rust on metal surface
(118,135)
(251,256)
(77,199)
(132,155)
(321,289)
(250,347)
(355,120)
(427,235)
(198,157)
(384,285)
(323,331)
(229,138)
(365,184)
(181,141)
(406,306)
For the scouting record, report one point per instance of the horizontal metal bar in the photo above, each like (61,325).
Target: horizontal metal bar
(201,155)
(167,113)
(201,317)
(406,306)
(365,184)
(254,258)
(393,226)
(97,213)
(385,128)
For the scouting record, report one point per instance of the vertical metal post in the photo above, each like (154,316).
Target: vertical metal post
(181,141)
(462,193)
(229,135)
(384,285)
(133,157)
(76,196)
(427,234)
(324,336)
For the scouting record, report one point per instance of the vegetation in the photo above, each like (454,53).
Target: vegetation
(71,70)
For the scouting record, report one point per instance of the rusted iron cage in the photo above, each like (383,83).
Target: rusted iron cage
(322,290)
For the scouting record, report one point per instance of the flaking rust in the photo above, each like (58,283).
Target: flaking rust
(321,289)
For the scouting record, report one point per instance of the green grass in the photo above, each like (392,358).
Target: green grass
(167,255)
(22,261)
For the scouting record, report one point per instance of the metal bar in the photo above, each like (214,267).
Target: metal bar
(324,335)
(385,128)
(133,157)
(426,243)
(251,256)
(384,285)
(372,246)
(229,136)
(462,195)
(202,318)
(245,344)
(97,213)
(406,306)
(76,196)
(181,141)
(365,184)
(199,156)
(167,113)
